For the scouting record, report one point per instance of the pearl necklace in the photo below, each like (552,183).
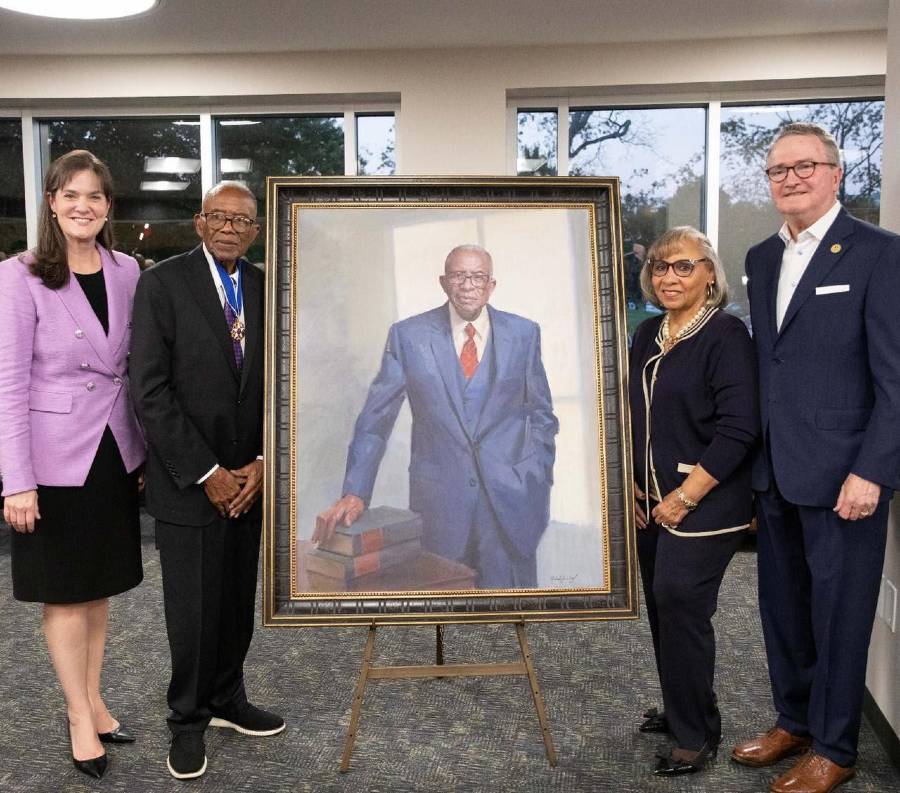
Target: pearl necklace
(667,342)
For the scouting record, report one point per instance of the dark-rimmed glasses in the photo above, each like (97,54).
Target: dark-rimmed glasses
(682,268)
(479,280)
(217,220)
(803,170)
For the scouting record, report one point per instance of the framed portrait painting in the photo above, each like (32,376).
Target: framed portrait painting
(447,434)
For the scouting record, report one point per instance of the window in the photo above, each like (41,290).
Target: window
(155,163)
(746,215)
(12,189)
(660,156)
(537,136)
(375,143)
(250,148)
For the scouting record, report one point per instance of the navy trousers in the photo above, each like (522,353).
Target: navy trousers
(681,577)
(819,577)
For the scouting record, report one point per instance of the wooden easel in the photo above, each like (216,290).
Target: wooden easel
(440,669)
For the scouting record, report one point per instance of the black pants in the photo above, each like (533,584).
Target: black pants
(209,592)
(681,577)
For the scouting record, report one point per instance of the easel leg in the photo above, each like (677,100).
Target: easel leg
(536,695)
(357,700)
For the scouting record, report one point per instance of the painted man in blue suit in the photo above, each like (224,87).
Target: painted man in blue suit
(823,301)
(483,429)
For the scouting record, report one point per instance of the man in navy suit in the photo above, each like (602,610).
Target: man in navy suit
(483,430)
(823,295)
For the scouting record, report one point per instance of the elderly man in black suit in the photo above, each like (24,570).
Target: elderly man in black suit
(197,379)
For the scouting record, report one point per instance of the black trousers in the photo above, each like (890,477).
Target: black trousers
(819,577)
(681,577)
(209,591)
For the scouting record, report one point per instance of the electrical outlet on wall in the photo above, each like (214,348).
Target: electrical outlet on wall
(887,603)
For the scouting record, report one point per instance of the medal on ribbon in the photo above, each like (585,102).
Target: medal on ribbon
(234,298)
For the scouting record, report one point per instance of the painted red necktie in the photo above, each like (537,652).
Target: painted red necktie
(468,357)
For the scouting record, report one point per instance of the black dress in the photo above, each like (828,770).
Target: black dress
(87,544)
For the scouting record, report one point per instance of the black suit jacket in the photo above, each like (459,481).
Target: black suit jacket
(196,408)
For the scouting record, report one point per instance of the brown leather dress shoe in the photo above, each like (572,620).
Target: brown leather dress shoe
(813,774)
(767,749)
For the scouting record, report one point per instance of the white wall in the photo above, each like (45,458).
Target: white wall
(453,102)
(883,677)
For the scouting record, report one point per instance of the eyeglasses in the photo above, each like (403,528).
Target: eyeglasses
(217,220)
(479,280)
(682,268)
(803,170)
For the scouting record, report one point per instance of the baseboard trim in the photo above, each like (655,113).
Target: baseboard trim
(882,728)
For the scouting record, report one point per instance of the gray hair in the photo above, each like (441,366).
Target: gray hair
(471,248)
(670,242)
(229,184)
(832,152)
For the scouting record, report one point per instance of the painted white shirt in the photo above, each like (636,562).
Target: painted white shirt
(796,257)
(482,325)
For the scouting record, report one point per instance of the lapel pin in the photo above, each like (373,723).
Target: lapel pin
(836,248)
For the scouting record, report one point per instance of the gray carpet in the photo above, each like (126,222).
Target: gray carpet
(462,734)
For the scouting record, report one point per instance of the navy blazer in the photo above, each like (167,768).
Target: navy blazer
(509,450)
(829,380)
(697,406)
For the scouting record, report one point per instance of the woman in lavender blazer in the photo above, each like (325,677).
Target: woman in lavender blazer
(70,445)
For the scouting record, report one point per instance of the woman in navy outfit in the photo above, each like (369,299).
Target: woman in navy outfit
(695,420)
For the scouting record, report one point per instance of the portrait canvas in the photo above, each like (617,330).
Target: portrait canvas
(492,488)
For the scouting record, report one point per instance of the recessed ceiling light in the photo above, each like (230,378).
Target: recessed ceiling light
(87,9)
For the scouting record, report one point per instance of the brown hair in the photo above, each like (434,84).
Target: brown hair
(832,151)
(50,262)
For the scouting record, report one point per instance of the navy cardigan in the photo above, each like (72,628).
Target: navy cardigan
(702,402)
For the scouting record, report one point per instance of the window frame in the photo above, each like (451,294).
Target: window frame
(712,97)
(32,118)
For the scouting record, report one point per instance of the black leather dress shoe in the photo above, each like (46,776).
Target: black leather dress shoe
(655,721)
(681,761)
(94,767)
(120,734)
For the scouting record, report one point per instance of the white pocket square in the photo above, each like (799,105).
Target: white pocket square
(830,290)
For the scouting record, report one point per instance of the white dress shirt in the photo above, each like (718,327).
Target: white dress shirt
(797,256)
(482,325)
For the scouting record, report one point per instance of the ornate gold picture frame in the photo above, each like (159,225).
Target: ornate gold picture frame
(469,476)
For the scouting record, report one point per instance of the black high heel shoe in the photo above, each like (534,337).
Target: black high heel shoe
(655,721)
(120,734)
(95,767)
(680,761)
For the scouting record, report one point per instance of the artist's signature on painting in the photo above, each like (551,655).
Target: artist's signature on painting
(564,580)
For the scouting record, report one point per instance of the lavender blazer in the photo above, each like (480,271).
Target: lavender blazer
(62,379)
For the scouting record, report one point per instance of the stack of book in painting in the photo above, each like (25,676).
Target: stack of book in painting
(382,551)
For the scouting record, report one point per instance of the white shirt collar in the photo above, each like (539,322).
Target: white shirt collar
(816,231)
(214,274)
(481,323)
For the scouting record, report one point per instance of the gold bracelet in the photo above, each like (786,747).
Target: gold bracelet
(689,505)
